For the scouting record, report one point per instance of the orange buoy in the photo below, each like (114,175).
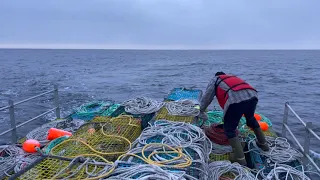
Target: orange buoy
(257,116)
(263,125)
(30,145)
(54,133)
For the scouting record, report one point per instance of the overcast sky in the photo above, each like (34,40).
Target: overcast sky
(200,24)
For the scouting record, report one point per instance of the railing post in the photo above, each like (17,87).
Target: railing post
(285,120)
(56,101)
(306,143)
(13,122)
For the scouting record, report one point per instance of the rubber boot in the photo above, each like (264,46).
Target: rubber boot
(261,140)
(237,155)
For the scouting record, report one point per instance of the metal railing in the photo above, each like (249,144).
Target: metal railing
(12,105)
(308,131)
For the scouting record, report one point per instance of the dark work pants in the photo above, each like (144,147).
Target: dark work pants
(234,114)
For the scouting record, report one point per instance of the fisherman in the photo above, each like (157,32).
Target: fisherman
(236,97)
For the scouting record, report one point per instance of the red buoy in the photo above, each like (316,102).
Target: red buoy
(30,145)
(54,133)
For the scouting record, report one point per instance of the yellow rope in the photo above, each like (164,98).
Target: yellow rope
(161,163)
(92,149)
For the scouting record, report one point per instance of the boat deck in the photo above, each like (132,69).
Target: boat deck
(109,141)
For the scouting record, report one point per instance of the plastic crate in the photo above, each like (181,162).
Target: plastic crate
(48,167)
(183,93)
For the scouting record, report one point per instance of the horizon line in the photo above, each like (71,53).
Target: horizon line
(151,47)
(166,49)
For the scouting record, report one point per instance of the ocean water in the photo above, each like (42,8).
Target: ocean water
(86,75)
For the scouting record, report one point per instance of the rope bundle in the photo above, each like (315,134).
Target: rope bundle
(172,145)
(92,168)
(182,108)
(178,134)
(219,168)
(280,150)
(9,156)
(142,105)
(90,110)
(281,170)
(148,171)
(216,134)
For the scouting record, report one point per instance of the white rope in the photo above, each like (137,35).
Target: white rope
(25,160)
(280,150)
(287,171)
(178,134)
(191,139)
(148,171)
(9,156)
(142,105)
(87,164)
(218,168)
(182,108)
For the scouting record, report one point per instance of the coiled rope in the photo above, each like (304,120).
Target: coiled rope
(172,145)
(149,171)
(78,140)
(219,168)
(178,134)
(92,173)
(280,150)
(9,156)
(182,108)
(89,110)
(142,105)
(279,170)
(156,149)
(216,134)
(25,160)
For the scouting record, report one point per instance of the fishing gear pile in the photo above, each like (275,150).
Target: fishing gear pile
(219,168)
(280,150)
(148,171)
(9,156)
(90,110)
(40,134)
(182,108)
(88,167)
(142,105)
(173,145)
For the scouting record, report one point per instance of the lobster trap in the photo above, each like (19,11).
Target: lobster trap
(109,139)
(40,134)
(145,118)
(82,167)
(163,114)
